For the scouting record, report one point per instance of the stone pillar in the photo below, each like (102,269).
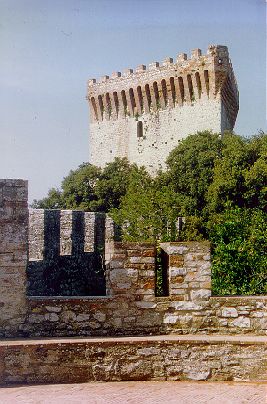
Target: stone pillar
(131,270)
(36,234)
(189,270)
(13,254)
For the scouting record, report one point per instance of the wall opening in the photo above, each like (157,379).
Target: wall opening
(199,89)
(207,82)
(162,268)
(139,129)
(181,87)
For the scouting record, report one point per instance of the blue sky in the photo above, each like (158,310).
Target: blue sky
(50,48)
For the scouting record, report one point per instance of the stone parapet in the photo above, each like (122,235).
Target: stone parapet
(161,86)
(192,358)
(129,305)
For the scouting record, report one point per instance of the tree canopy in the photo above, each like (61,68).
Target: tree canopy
(218,183)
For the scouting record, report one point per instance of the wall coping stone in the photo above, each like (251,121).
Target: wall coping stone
(237,297)
(67,298)
(201,339)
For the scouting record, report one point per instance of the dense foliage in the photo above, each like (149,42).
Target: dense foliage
(218,183)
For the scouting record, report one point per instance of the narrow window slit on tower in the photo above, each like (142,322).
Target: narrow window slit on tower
(148,95)
(190,87)
(156,93)
(124,101)
(164,91)
(139,129)
(116,102)
(93,103)
(207,83)
(140,97)
(108,104)
(132,100)
(181,87)
(173,89)
(101,105)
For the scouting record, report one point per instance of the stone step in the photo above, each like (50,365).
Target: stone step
(164,357)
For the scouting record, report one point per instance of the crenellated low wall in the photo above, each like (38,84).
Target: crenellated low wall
(130,306)
(66,252)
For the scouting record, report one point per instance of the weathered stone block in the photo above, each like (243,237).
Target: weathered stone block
(176,260)
(170,318)
(82,317)
(51,317)
(146,305)
(229,312)
(201,294)
(241,322)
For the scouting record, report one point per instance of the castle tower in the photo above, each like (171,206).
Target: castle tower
(142,115)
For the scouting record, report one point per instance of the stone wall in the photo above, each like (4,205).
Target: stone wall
(130,306)
(142,115)
(13,253)
(140,358)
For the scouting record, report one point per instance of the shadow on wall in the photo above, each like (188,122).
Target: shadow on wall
(79,274)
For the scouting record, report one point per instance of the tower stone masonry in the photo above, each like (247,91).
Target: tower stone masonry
(143,115)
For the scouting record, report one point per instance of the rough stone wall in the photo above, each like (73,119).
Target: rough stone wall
(143,115)
(131,307)
(234,312)
(13,253)
(143,358)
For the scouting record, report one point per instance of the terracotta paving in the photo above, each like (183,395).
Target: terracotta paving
(160,392)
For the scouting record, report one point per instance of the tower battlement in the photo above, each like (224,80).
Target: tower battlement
(135,113)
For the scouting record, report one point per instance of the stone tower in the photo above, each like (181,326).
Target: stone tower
(142,115)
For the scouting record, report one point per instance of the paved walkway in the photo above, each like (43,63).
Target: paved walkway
(138,392)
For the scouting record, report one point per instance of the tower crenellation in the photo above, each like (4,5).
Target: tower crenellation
(142,114)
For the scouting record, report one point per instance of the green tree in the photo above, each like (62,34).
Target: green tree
(255,175)
(113,183)
(52,201)
(239,257)
(91,188)
(218,183)
(149,209)
(239,174)
(191,169)
(78,188)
